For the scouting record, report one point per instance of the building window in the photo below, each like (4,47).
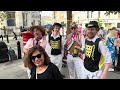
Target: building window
(11,18)
(118,15)
(11,22)
(118,25)
(11,15)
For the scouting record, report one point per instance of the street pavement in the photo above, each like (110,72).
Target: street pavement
(16,70)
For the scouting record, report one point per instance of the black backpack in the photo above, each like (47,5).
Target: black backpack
(12,54)
(3,52)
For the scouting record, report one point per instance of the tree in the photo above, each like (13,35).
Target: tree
(99,22)
(98,19)
(111,12)
(69,21)
(2,16)
(69,17)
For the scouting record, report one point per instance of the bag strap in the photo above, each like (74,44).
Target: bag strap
(110,41)
(33,73)
(49,35)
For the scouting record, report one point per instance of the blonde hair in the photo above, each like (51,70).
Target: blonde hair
(112,33)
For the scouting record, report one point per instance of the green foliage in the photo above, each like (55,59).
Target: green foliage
(99,22)
(2,16)
(111,12)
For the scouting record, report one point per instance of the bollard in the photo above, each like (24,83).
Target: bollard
(19,50)
(7,39)
(2,37)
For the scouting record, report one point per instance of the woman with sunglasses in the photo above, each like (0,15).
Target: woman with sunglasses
(39,38)
(42,68)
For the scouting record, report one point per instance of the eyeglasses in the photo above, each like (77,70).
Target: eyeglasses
(73,28)
(38,56)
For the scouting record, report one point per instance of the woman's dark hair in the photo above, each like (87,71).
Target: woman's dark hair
(41,50)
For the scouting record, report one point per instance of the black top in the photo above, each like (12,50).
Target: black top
(92,55)
(52,72)
(55,45)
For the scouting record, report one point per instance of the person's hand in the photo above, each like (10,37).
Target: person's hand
(43,44)
(65,53)
(80,55)
(69,41)
(78,41)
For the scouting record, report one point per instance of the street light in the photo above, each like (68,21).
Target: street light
(54,16)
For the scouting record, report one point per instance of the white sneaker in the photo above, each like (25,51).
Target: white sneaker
(111,69)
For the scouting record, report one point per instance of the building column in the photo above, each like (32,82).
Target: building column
(83,25)
(18,19)
(29,19)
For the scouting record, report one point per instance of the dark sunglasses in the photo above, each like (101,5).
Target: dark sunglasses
(73,28)
(38,56)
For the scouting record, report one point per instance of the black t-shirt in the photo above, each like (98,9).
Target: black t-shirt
(52,72)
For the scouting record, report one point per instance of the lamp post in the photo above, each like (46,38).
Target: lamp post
(88,15)
(54,16)
(69,21)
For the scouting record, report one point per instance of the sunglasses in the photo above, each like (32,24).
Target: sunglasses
(38,56)
(73,28)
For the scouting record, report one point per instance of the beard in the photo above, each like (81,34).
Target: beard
(90,35)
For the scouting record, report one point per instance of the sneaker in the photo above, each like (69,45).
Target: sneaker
(117,68)
(111,69)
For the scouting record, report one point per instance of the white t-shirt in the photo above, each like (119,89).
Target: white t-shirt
(31,42)
(100,32)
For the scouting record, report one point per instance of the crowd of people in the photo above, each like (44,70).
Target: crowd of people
(88,55)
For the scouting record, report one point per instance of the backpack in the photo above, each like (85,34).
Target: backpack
(3,52)
(12,54)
